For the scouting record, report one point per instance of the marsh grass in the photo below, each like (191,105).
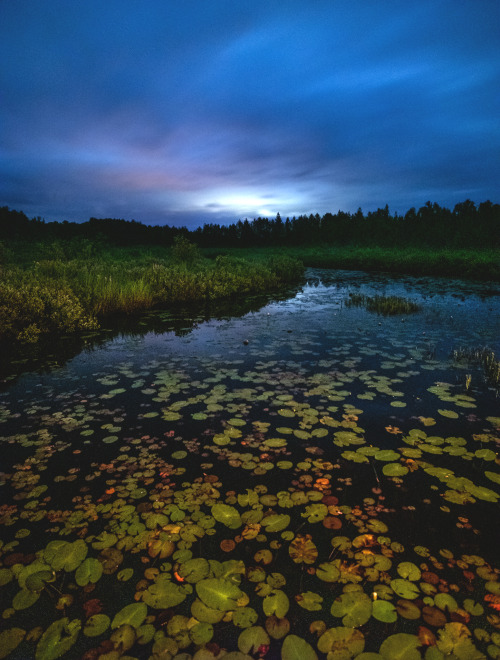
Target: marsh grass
(485,357)
(385,305)
(72,294)
(481,264)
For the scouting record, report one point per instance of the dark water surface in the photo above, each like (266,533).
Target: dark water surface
(287,477)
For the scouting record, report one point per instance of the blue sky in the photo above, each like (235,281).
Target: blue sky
(186,112)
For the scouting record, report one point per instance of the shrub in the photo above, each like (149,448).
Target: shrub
(29,309)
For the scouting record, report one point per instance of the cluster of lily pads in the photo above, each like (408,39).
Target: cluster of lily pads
(246,508)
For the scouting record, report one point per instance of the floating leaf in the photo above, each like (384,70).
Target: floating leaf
(394,470)
(275,522)
(276,603)
(405,588)
(384,611)
(310,601)
(218,593)
(252,639)
(10,640)
(164,593)
(343,642)
(64,555)
(401,646)
(244,617)
(227,515)
(296,648)
(133,615)
(96,625)
(303,550)
(88,572)
(409,571)
(355,607)
(57,639)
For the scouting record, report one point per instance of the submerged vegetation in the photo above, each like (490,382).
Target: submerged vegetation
(385,305)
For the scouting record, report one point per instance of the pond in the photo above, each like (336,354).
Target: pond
(298,477)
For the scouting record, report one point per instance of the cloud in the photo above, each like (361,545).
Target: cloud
(215,111)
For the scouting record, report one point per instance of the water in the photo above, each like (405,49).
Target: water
(291,464)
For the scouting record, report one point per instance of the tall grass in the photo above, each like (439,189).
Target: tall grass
(484,357)
(67,295)
(481,264)
(385,305)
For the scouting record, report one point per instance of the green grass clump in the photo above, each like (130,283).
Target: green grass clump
(385,305)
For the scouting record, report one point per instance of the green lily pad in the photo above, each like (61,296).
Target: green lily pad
(409,571)
(227,515)
(194,570)
(62,555)
(355,607)
(251,639)
(96,625)
(451,414)
(276,522)
(344,642)
(203,613)
(276,603)
(24,599)
(201,633)
(405,588)
(394,470)
(309,601)
(401,646)
(10,640)
(57,639)
(218,593)
(37,581)
(244,617)
(296,648)
(133,615)
(384,611)
(164,593)
(88,572)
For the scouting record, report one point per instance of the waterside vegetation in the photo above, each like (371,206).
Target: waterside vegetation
(385,305)
(484,357)
(73,294)
(66,277)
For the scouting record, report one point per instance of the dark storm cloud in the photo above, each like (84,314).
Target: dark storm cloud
(196,112)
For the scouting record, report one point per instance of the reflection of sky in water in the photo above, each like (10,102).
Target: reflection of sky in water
(454,314)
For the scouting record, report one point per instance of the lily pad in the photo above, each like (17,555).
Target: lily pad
(345,643)
(218,593)
(57,639)
(296,648)
(355,608)
(401,646)
(252,639)
(227,515)
(10,640)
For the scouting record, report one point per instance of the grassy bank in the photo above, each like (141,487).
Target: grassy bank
(67,294)
(476,264)
(72,286)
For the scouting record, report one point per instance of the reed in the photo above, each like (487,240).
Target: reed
(484,357)
(385,305)
(67,295)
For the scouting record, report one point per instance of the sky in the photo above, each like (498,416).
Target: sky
(186,112)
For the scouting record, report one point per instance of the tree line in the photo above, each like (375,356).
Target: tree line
(467,225)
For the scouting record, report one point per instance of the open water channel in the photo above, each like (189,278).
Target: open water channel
(296,478)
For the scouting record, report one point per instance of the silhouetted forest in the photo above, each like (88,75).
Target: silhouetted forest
(467,225)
